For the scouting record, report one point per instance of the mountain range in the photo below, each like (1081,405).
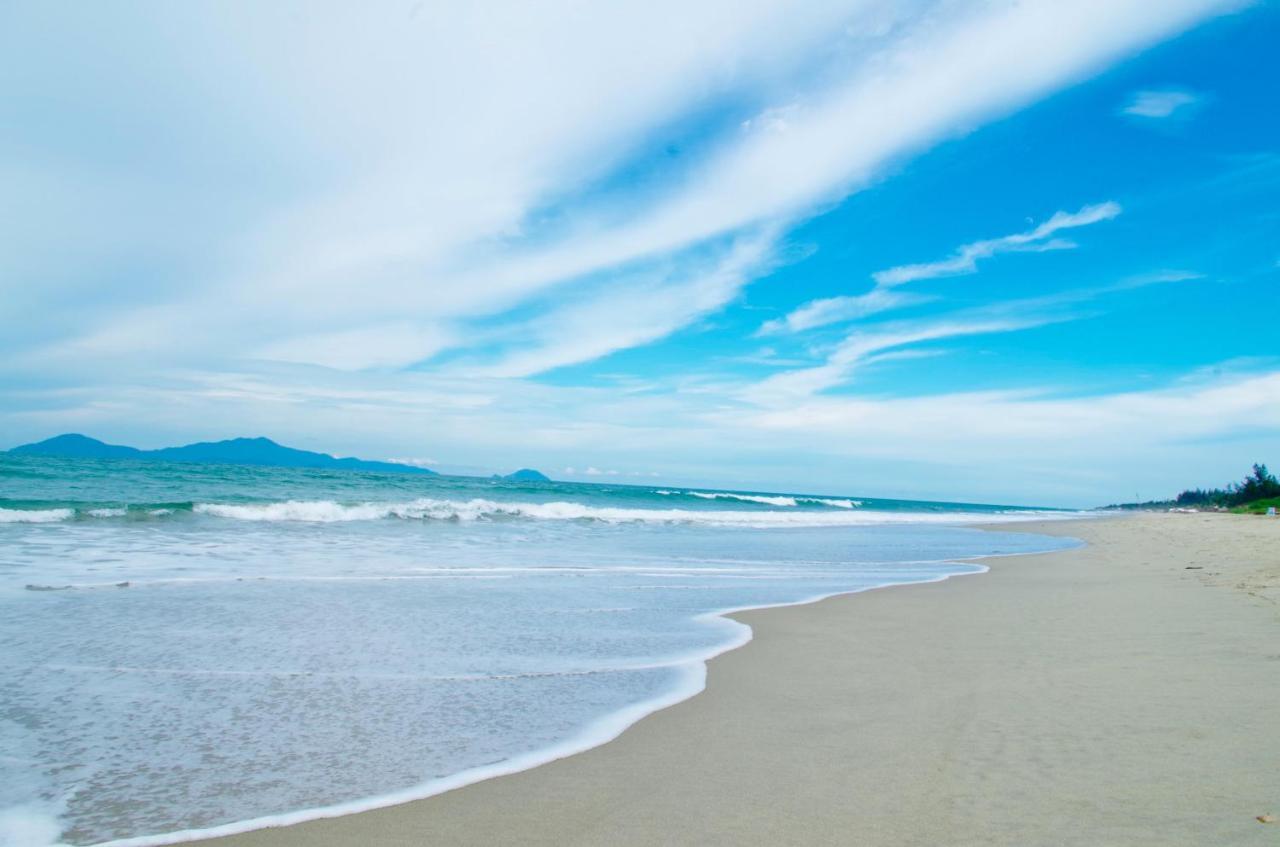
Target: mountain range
(233,451)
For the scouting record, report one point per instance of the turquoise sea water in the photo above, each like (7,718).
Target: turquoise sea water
(199,646)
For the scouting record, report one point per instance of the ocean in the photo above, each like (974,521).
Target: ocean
(209,647)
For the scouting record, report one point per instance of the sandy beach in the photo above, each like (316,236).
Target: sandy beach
(1123,693)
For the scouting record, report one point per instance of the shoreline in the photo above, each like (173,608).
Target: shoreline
(598,733)
(451,817)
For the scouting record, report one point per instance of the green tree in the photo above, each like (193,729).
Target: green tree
(1257,486)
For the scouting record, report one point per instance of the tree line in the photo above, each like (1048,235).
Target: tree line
(1261,484)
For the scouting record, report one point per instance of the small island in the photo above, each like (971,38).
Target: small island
(525,475)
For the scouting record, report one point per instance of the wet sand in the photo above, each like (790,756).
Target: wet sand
(1124,693)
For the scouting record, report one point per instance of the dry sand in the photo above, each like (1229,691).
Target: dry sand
(1111,695)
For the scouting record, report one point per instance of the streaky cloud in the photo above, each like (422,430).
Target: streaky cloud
(433,227)
(882,297)
(965,259)
(1159,104)
(634,310)
(831,310)
(862,345)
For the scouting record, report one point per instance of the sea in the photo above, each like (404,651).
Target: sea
(201,649)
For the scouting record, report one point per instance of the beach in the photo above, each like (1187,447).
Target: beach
(768,423)
(214,651)
(1124,692)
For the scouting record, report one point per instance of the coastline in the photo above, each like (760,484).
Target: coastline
(693,669)
(777,746)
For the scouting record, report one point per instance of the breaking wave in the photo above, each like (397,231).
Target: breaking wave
(36,515)
(839,504)
(841,513)
(59,515)
(746,498)
(766,499)
(327,511)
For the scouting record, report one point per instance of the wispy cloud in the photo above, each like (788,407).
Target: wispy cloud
(830,310)
(633,310)
(1163,103)
(446,216)
(1180,412)
(417,462)
(858,347)
(409,221)
(882,297)
(392,344)
(593,471)
(883,340)
(1039,436)
(965,259)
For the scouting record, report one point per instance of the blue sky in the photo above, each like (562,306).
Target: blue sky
(1012,252)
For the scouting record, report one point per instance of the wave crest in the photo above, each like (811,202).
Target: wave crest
(327,511)
(36,515)
(837,503)
(784,514)
(779,500)
(764,499)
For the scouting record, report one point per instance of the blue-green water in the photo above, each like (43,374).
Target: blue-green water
(198,646)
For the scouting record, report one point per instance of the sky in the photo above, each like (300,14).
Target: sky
(1013,252)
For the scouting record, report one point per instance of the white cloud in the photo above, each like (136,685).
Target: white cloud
(883,298)
(785,388)
(428,204)
(633,311)
(394,187)
(1161,103)
(870,344)
(386,345)
(1046,444)
(965,259)
(830,310)
(417,462)
(992,422)
(593,471)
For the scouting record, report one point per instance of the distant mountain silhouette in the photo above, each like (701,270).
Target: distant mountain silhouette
(234,451)
(77,446)
(527,475)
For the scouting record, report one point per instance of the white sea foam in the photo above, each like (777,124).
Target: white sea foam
(692,680)
(35,515)
(107,513)
(839,504)
(656,617)
(780,500)
(285,595)
(327,511)
(29,825)
(766,499)
(318,511)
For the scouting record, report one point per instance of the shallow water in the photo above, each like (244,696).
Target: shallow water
(188,647)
